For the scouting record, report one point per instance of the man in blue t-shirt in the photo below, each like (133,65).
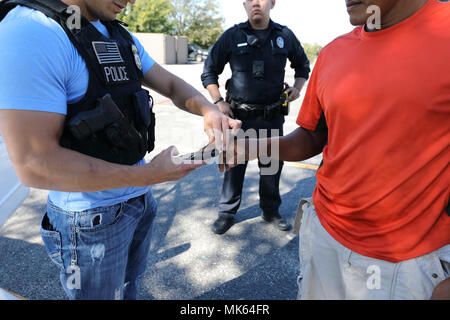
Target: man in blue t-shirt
(97,227)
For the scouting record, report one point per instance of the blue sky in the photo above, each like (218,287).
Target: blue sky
(313,21)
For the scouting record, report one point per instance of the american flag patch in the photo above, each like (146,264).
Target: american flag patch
(107,52)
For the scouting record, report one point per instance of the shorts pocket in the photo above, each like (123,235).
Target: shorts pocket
(306,212)
(52,241)
(417,277)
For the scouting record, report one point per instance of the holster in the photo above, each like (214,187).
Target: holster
(106,132)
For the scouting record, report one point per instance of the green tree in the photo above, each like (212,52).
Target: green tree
(148,16)
(199,20)
(312,51)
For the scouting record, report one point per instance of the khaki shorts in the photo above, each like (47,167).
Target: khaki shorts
(328,270)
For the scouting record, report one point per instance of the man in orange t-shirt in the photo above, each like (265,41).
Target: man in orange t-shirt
(378,106)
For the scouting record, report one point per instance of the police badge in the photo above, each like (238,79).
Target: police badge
(137,58)
(280,42)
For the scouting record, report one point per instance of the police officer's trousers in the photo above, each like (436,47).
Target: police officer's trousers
(269,193)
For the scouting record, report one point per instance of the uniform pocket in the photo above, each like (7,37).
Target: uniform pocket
(279,57)
(52,241)
(242,60)
(280,51)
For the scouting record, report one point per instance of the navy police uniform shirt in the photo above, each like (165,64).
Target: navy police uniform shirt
(257,61)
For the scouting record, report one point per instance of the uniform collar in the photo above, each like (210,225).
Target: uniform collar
(272,25)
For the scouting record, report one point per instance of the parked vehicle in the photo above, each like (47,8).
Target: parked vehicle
(195,53)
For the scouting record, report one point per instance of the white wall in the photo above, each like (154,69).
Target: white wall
(163,48)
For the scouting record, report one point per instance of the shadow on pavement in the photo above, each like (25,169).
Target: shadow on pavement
(275,278)
(253,260)
(26,270)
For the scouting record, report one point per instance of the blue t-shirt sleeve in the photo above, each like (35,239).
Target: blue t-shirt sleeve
(34,66)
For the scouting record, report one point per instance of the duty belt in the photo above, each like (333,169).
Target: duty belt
(243,111)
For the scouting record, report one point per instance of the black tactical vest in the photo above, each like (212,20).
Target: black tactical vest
(113,121)
(258,66)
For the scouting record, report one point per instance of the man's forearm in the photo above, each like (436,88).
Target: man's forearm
(299,83)
(187,98)
(183,95)
(66,170)
(214,91)
(299,145)
(32,141)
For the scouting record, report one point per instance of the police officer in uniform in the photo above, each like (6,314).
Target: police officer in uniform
(257,51)
(76,121)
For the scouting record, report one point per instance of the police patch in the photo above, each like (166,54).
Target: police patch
(137,58)
(280,42)
(107,52)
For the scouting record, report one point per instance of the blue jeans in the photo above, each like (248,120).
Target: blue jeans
(102,251)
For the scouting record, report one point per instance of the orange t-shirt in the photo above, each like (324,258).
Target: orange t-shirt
(384,184)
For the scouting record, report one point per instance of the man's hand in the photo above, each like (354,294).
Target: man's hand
(164,167)
(442,291)
(293,93)
(219,127)
(239,152)
(225,108)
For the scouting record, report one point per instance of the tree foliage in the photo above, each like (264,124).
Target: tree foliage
(199,20)
(148,16)
(312,51)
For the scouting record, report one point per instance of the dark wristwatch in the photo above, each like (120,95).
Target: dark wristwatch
(218,100)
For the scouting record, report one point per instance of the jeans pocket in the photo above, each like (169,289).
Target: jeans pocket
(52,241)
(100,218)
